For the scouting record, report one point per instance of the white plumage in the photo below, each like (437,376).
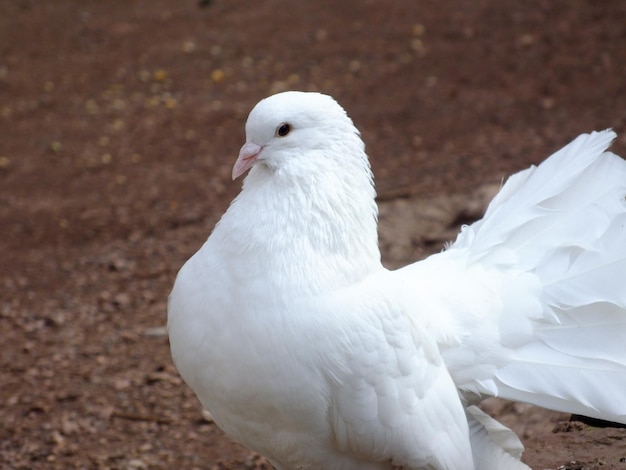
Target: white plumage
(305,349)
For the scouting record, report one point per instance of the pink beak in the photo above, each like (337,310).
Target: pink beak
(247,157)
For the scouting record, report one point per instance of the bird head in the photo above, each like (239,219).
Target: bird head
(293,132)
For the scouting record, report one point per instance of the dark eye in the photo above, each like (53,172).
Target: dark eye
(283,130)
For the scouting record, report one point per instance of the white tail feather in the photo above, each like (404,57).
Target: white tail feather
(565,223)
(494,445)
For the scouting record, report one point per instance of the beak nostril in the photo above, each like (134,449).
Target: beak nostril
(246,159)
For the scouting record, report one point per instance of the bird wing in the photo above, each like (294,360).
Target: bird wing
(397,402)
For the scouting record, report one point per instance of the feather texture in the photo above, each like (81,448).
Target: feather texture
(564,224)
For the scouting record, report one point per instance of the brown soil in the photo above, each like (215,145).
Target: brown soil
(119,123)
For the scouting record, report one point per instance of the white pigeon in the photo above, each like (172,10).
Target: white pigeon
(304,348)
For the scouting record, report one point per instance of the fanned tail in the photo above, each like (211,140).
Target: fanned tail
(563,223)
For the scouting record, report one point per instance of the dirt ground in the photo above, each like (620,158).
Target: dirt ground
(119,123)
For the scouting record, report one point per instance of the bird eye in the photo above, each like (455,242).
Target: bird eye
(283,130)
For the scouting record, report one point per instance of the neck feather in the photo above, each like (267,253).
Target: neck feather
(313,233)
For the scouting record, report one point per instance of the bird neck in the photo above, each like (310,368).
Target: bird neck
(311,233)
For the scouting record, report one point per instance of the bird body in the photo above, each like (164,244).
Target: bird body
(307,350)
